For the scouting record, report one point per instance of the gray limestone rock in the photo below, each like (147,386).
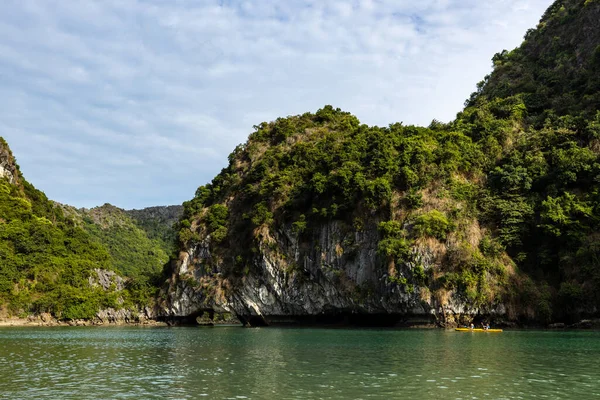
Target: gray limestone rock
(8,168)
(107,280)
(337,271)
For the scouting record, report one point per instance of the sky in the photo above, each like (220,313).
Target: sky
(137,103)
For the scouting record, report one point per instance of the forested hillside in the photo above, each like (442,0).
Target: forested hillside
(139,242)
(495,212)
(537,120)
(50,254)
(157,222)
(46,260)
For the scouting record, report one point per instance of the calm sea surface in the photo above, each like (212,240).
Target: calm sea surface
(272,363)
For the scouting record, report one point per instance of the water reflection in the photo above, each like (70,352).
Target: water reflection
(226,363)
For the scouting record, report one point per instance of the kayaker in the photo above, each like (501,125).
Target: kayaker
(472,326)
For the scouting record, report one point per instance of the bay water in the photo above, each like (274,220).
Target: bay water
(286,363)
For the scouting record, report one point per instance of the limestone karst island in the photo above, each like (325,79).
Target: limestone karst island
(329,226)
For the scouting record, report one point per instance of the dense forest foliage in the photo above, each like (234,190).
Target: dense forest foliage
(537,117)
(139,245)
(46,259)
(157,222)
(48,253)
(510,187)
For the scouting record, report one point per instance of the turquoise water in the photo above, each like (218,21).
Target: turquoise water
(272,363)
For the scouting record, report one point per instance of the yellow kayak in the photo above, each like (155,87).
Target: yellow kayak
(477,330)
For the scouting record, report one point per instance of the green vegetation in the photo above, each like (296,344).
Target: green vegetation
(394,242)
(132,253)
(48,253)
(157,223)
(536,117)
(433,224)
(46,259)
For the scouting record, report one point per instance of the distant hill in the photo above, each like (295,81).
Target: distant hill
(158,223)
(140,242)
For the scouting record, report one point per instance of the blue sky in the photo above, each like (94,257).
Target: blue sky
(137,103)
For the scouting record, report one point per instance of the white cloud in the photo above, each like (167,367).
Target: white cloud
(137,103)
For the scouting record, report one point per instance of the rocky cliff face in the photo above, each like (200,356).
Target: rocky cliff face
(335,276)
(111,282)
(8,168)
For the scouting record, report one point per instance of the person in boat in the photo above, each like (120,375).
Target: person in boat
(472,326)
